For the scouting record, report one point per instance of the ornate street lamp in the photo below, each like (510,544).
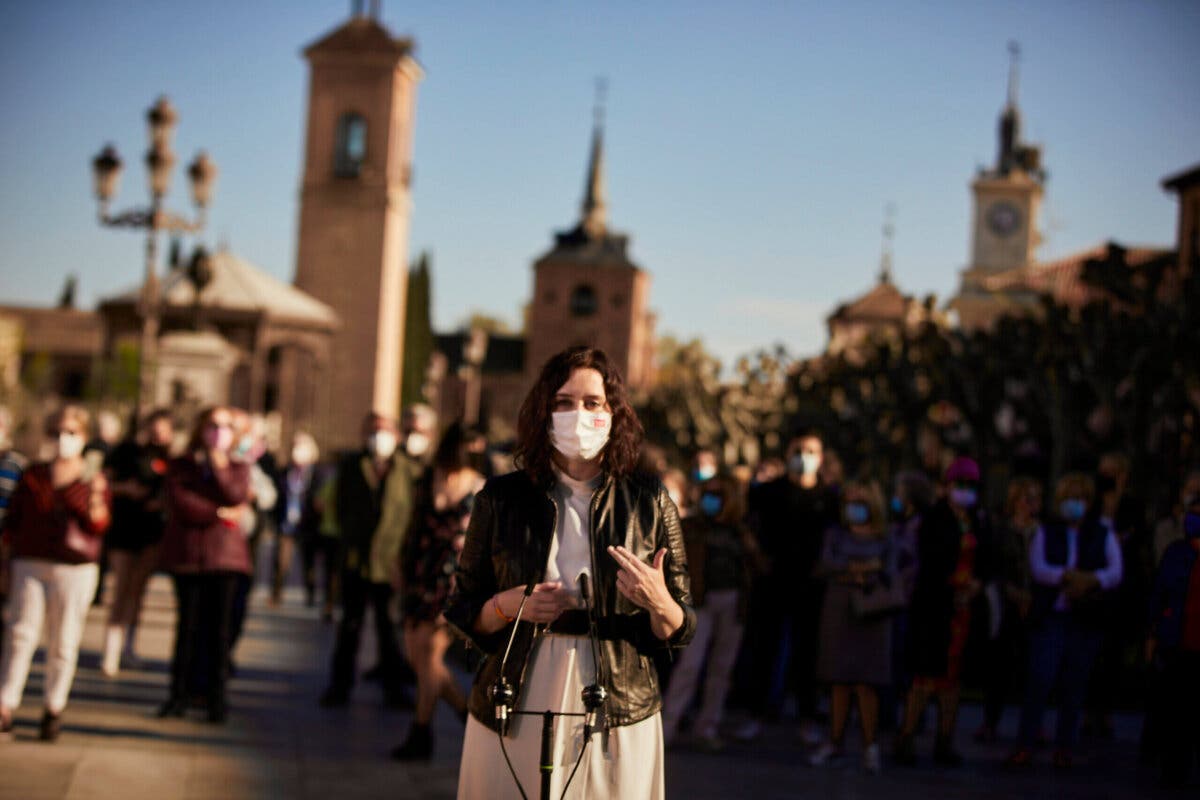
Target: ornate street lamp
(160,161)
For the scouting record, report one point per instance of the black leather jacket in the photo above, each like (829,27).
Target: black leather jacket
(508,543)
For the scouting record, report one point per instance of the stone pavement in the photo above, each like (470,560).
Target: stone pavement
(279,744)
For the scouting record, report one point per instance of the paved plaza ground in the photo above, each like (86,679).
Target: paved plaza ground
(279,744)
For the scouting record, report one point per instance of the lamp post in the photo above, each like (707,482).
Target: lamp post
(160,160)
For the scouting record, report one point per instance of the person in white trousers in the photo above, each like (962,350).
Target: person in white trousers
(54,522)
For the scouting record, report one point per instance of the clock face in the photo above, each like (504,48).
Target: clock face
(1003,218)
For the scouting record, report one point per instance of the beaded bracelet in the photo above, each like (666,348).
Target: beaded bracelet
(499,612)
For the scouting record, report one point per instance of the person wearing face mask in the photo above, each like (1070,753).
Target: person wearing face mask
(137,470)
(1173,646)
(1075,563)
(789,517)
(954,562)
(444,497)
(418,432)
(1005,652)
(912,497)
(720,549)
(55,519)
(577,520)
(12,464)
(374,505)
(296,517)
(858,563)
(205,552)
(1114,674)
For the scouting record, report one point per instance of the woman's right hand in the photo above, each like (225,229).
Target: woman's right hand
(547,601)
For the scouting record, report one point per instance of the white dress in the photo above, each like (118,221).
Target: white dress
(625,763)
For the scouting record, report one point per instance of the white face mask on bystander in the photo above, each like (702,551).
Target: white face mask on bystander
(580,434)
(70,445)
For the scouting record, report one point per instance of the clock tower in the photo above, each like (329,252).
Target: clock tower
(352,248)
(1007,198)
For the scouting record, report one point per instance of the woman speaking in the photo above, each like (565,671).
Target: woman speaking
(575,543)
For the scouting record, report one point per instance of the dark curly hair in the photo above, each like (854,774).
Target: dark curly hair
(533,449)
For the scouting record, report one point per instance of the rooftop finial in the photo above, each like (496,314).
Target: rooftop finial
(889,232)
(594,212)
(1014,57)
(601,101)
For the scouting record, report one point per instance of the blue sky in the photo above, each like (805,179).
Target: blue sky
(751,146)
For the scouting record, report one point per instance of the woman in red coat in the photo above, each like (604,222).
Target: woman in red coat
(205,552)
(55,519)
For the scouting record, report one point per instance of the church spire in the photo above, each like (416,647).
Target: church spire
(594,210)
(1010,118)
(889,232)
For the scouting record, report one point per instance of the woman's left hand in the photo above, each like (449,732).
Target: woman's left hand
(642,584)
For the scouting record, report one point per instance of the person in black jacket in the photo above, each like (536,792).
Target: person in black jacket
(576,528)
(374,504)
(953,553)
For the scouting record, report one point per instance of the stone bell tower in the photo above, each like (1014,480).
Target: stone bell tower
(352,250)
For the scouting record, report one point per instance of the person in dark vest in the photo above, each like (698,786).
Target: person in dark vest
(1075,563)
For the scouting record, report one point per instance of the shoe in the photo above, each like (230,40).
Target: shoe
(748,731)
(824,753)
(872,761)
(334,698)
(130,660)
(218,712)
(417,747)
(6,728)
(1062,759)
(945,755)
(1020,758)
(171,708)
(50,727)
(810,733)
(904,753)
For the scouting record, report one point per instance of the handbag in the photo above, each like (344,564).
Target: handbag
(878,600)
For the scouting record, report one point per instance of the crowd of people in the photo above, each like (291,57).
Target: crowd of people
(813,593)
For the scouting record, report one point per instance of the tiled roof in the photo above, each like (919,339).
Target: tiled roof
(1182,180)
(1063,278)
(238,285)
(883,302)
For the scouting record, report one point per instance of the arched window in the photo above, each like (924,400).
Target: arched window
(351,144)
(583,301)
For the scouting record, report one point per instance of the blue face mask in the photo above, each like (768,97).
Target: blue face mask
(704,473)
(1072,509)
(857,513)
(1191,525)
(896,505)
(710,504)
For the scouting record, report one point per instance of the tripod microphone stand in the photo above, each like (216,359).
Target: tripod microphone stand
(593,696)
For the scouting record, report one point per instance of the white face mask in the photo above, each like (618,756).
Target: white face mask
(382,444)
(70,445)
(580,434)
(416,444)
(303,453)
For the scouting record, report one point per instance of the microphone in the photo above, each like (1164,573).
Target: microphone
(501,692)
(594,694)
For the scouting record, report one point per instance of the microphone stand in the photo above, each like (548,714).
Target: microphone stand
(503,698)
